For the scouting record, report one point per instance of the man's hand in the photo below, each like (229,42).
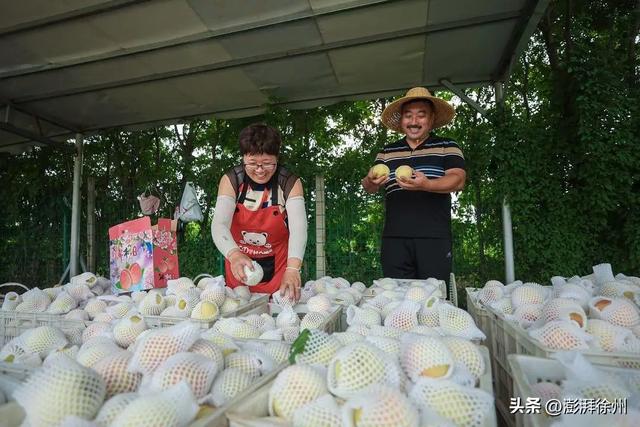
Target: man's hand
(418,182)
(372,184)
(238,260)
(291,283)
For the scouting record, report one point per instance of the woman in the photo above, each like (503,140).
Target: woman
(260,215)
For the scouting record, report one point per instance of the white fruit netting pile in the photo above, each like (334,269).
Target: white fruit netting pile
(62,387)
(196,370)
(425,357)
(318,347)
(113,370)
(324,412)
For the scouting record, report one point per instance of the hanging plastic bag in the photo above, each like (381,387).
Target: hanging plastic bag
(149,204)
(189,209)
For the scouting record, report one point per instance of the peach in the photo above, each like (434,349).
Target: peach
(136,273)
(125,279)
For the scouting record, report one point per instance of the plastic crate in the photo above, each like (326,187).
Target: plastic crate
(529,370)
(254,410)
(373,290)
(510,339)
(257,305)
(479,315)
(13,323)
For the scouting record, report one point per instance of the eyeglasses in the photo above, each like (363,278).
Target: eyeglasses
(264,166)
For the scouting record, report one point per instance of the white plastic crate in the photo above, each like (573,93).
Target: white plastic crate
(529,370)
(13,323)
(510,339)
(254,410)
(479,314)
(258,304)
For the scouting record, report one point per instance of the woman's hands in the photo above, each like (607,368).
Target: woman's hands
(291,283)
(238,260)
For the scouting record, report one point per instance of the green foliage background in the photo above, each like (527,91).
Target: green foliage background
(563,149)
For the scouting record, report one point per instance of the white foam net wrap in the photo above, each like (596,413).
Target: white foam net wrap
(60,388)
(224,342)
(404,317)
(490,294)
(278,351)
(63,304)
(87,278)
(175,407)
(152,304)
(464,406)
(526,315)
(116,376)
(359,365)
(318,347)
(208,350)
(78,291)
(359,329)
(546,390)
(363,316)
(95,329)
(158,345)
(197,370)
(379,302)
(313,320)
(11,301)
(283,300)
(13,352)
(618,311)
(556,308)
(561,335)
(229,305)
(294,387)
(236,328)
(126,330)
(290,334)
(388,345)
(379,406)
(417,293)
(529,293)
(348,337)
(467,353)
(385,331)
(120,310)
(229,384)
(458,323)
(33,301)
(205,310)
(425,357)
(77,314)
(42,340)
(503,305)
(95,306)
(178,286)
(319,303)
(346,298)
(112,408)
(609,337)
(214,294)
(322,412)
(95,350)
(287,318)
(252,362)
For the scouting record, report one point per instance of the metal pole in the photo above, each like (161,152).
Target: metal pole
(507,228)
(321,266)
(508,242)
(75,208)
(91,223)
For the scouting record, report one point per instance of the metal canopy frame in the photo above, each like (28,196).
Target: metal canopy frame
(19,119)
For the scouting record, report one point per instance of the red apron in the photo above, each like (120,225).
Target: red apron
(263,236)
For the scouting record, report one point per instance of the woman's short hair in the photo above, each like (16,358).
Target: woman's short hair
(259,138)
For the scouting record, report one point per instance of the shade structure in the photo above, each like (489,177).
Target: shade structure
(82,66)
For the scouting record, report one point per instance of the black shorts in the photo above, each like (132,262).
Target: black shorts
(420,258)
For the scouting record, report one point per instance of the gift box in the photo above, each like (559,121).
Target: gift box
(142,256)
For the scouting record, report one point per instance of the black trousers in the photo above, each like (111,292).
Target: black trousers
(416,258)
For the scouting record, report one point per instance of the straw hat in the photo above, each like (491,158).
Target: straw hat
(444,112)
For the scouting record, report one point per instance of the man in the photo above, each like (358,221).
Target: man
(416,240)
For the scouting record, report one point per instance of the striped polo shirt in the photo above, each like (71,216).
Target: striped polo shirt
(419,213)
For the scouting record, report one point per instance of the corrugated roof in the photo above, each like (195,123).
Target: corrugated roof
(88,65)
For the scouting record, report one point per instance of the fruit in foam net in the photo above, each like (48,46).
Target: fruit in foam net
(380,170)
(253,276)
(404,171)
